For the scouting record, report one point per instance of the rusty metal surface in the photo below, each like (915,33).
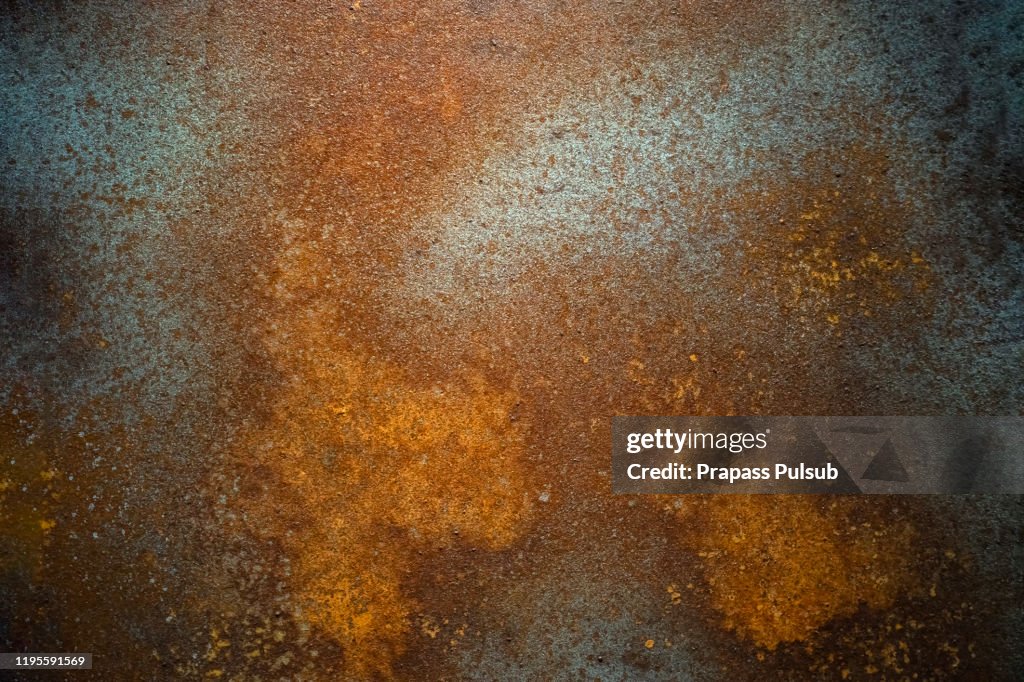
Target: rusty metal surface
(314,315)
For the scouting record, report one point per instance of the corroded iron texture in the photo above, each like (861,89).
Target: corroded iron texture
(313,316)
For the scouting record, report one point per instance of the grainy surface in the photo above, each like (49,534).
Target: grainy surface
(313,317)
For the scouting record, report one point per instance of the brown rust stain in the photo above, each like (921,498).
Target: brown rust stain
(395,96)
(29,491)
(836,242)
(59,541)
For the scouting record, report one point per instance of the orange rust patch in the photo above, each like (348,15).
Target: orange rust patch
(359,454)
(358,466)
(777,574)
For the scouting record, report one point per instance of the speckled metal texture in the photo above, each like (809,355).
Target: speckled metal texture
(313,317)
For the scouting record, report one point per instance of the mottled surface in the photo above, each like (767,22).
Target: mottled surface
(313,316)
